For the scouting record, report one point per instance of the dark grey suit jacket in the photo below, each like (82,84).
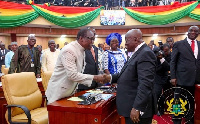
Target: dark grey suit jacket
(184,66)
(161,72)
(135,83)
(90,68)
(2,61)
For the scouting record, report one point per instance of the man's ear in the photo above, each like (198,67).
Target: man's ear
(81,38)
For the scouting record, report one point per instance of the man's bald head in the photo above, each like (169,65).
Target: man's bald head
(31,40)
(133,39)
(31,36)
(135,33)
(193,32)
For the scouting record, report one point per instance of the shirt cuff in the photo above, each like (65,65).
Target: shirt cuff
(162,60)
(141,113)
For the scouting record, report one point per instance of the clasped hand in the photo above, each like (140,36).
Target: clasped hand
(102,78)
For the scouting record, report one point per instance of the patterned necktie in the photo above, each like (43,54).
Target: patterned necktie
(192,46)
(93,54)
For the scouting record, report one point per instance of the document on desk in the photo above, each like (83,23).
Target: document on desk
(106,96)
(75,99)
(95,91)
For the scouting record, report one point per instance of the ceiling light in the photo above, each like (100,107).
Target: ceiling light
(155,35)
(62,36)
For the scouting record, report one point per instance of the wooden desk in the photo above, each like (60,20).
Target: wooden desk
(69,112)
(197,100)
(3,103)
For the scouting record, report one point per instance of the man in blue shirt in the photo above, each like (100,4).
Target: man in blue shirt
(10,54)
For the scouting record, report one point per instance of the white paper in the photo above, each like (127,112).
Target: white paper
(74,99)
(106,96)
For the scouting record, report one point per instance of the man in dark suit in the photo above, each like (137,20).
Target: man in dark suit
(91,67)
(135,97)
(3,54)
(185,65)
(162,68)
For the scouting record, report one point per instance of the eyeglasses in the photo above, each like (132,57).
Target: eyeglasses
(90,38)
(130,38)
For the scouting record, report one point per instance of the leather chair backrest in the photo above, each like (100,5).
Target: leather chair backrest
(45,79)
(5,70)
(21,89)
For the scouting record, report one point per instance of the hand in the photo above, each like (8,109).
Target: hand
(173,82)
(38,76)
(98,78)
(160,56)
(135,115)
(102,78)
(107,78)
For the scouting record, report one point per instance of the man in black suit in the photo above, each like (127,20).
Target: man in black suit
(3,53)
(162,68)
(185,65)
(135,97)
(91,67)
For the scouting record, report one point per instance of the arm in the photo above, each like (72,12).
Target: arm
(69,62)
(7,62)
(114,78)
(44,62)
(164,65)
(105,61)
(38,66)
(14,62)
(146,69)
(106,71)
(174,57)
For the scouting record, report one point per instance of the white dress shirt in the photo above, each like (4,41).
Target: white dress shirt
(195,46)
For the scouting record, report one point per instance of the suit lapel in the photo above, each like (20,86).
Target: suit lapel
(90,54)
(96,53)
(188,46)
(198,43)
(132,57)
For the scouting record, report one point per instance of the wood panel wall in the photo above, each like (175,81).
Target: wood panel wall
(56,31)
(44,40)
(6,40)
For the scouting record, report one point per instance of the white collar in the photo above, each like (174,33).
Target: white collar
(139,46)
(190,41)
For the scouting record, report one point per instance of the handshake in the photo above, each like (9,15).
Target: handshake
(102,78)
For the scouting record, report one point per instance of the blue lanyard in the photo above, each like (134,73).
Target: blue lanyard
(32,58)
